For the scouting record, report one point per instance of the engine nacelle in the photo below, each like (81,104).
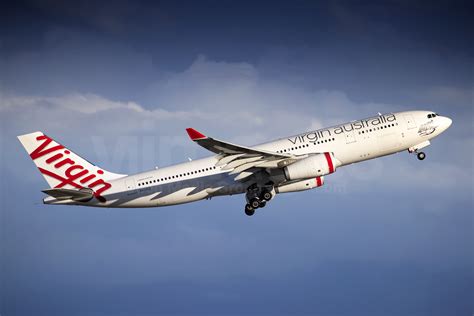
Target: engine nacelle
(302,185)
(314,166)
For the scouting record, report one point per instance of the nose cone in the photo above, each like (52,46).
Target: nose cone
(446,122)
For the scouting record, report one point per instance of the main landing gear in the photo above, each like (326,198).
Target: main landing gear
(257,197)
(249,210)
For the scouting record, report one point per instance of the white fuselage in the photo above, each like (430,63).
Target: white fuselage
(351,142)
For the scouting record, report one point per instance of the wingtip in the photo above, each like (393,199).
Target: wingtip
(195,135)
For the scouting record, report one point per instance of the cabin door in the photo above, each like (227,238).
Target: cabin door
(410,121)
(350,138)
(130,185)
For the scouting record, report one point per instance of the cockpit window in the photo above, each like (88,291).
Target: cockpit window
(432,115)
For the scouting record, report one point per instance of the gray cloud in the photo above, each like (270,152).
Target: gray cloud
(386,237)
(229,101)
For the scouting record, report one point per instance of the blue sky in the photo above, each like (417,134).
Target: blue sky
(119,83)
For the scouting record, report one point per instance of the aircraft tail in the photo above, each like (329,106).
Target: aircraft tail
(62,168)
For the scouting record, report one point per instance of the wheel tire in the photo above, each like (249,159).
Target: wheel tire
(267,196)
(262,204)
(421,155)
(249,210)
(254,203)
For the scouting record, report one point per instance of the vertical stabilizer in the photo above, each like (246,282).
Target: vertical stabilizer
(62,168)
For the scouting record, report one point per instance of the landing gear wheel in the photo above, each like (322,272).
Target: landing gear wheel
(249,210)
(421,155)
(262,204)
(267,196)
(254,203)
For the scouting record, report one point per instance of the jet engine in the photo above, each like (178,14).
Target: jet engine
(311,167)
(301,185)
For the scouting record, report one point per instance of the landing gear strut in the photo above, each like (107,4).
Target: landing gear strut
(421,155)
(415,150)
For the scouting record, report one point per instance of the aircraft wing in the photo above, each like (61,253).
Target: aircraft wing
(241,158)
(221,147)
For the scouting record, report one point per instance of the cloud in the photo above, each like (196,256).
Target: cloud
(230,101)
(119,83)
(234,102)
(226,100)
(82,103)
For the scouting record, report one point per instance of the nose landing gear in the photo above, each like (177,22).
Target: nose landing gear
(415,150)
(421,155)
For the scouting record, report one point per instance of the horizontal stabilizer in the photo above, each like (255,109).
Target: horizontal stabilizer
(82,195)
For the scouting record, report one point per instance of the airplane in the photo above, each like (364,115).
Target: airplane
(290,164)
